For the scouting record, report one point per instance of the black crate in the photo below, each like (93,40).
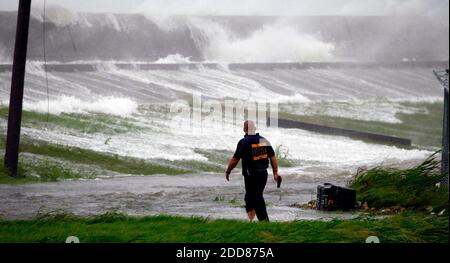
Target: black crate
(331,197)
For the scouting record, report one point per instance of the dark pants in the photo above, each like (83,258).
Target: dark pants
(254,188)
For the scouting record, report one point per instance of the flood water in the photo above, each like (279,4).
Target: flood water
(206,195)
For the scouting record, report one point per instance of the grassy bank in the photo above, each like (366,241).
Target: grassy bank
(85,123)
(423,128)
(43,171)
(110,162)
(49,168)
(415,188)
(111,227)
(58,162)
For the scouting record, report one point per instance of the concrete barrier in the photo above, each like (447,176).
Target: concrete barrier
(380,138)
(89,67)
(5,68)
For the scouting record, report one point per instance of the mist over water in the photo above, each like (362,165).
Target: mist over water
(74,36)
(276,41)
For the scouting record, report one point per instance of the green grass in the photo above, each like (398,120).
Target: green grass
(2,138)
(424,128)
(220,157)
(414,188)
(49,170)
(217,161)
(113,227)
(105,161)
(42,171)
(86,123)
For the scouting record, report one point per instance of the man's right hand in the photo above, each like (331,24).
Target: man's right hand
(277,179)
(227,175)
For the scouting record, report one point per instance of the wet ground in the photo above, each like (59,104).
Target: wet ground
(207,195)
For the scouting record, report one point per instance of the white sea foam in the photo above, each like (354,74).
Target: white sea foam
(35,68)
(65,104)
(173,58)
(370,94)
(157,141)
(382,110)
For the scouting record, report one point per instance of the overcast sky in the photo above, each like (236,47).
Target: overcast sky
(251,7)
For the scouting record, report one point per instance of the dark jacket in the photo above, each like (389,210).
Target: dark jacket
(255,151)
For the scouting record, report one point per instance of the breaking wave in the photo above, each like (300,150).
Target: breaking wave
(173,59)
(74,36)
(273,42)
(66,104)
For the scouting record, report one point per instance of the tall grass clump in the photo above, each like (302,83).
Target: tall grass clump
(416,188)
(282,154)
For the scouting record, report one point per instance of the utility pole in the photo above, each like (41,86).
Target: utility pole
(17,82)
(445,138)
(442,76)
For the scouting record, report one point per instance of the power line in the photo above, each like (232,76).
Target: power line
(45,60)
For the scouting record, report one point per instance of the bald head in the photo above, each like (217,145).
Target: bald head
(250,127)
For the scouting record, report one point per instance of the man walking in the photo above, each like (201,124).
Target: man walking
(255,152)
